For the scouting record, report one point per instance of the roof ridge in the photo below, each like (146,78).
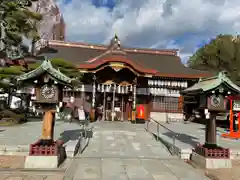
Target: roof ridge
(105,47)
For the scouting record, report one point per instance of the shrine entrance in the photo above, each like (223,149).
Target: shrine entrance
(115,95)
(119,110)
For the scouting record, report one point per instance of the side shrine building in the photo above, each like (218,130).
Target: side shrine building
(120,79)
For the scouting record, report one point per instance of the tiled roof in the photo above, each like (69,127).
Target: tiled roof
(211,83)
(165,62)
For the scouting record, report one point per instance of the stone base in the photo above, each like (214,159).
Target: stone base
(41,162)
(211,163)
(46,161)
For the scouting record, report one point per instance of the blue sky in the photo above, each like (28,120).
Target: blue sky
(182,24)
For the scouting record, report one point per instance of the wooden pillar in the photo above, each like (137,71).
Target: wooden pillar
(93,98)
(180,103)
(47,128)
(122,108)
(210,132)
(113,103)
(104,104)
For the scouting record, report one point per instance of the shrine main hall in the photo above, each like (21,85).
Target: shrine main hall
(120,79)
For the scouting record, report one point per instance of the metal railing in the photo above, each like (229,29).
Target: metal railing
(170,146)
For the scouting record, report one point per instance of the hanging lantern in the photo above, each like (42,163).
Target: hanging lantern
(82,88)
(158,83)
(169,83)
(151,90)
(122,90)
(98,87)
(158,91)
(149,82)
(126,91)
(154,82)
(131,88)
(154,91)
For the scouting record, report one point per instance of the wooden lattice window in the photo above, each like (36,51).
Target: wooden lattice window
(167,104)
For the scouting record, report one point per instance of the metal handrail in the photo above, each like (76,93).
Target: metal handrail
(173,147)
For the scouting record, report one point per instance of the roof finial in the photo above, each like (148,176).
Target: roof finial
(115,36)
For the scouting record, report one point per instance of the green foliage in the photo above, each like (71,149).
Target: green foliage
(58,62)
(18,20)
(7,72)
(222,53)
(66,68)
(33,66)
(9,115)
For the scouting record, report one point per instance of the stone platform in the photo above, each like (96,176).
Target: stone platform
(15,140)
(187,136)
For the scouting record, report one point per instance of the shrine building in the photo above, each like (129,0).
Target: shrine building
(120,79)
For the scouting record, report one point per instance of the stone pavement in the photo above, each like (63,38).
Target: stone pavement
(30,132)
(190,134)
(15,140)
(124,151)
(8,175)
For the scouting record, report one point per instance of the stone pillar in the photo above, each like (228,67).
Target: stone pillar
(210,132)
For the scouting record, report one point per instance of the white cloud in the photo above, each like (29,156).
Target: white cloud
(152,23)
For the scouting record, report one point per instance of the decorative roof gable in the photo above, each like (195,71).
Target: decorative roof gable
(46,66)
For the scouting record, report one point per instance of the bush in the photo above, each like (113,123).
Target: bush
(8,115)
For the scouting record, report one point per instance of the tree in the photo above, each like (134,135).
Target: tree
(221,54)
(64,66)
(17,20)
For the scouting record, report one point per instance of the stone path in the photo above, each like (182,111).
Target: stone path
(124,151)
(31,175)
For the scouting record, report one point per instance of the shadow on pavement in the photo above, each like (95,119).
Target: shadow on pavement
(68,135)
(187,139)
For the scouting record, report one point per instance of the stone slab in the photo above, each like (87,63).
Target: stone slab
(13,143)
(32,162)
(211,163)
(121,151)
(188,136)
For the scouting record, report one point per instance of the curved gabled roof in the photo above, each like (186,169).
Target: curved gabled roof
(208,84)
(162,62)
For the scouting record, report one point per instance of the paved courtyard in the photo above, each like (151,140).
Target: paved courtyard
(30,132)
(124,151)
(188,135)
